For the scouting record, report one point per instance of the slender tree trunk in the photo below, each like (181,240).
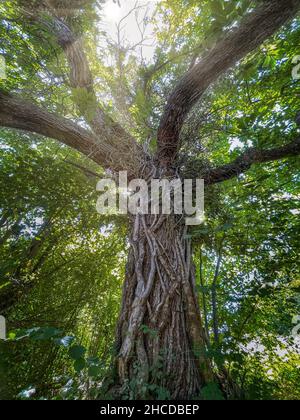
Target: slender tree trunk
(161,343)
(205,312)
(214,299)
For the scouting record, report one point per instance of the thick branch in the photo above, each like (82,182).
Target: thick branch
(122,146)
(80,74)
(22,115)
(252,32)
(252,156)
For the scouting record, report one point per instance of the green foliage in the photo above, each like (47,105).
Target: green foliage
(62,265)
(138,388)
(91,367)
(69,270)
(211,392)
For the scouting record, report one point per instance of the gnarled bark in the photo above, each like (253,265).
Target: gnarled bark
(26,116)
(160,338)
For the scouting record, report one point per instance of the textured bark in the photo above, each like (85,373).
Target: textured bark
(23,115)
(81,75)
(252,32)
(160,322)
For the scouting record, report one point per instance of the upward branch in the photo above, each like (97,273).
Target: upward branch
(111,146)
(81,78)
(252,32)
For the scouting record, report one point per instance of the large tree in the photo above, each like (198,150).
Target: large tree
(160,323)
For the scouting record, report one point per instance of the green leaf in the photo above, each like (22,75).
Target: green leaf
(212,392)
(267,62)
(79,365)
(94,371)
(77,352)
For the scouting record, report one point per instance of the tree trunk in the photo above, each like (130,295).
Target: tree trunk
(161,343)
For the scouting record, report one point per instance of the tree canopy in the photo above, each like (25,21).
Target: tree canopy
(217,99)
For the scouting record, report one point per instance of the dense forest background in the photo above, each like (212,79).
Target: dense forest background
(62,264)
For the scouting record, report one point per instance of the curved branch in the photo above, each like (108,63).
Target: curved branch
(252,32)
(22,115)
(244,162)
(122,146)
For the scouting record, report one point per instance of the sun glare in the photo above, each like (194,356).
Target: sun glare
(113,13)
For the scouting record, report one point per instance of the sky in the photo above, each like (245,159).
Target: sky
(113,14)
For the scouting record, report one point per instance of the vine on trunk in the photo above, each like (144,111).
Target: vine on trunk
(160,322)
